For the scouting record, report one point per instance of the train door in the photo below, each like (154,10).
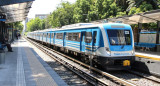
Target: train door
(94,41)
(82,44)
(47,37)
(88,41)
(64,39)
(52,37)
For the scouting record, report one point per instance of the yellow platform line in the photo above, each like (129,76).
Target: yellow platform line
(148,57)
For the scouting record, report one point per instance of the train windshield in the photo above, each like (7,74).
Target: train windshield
(119,37)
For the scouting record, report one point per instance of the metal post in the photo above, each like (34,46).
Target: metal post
(1,27)
(139,30)
(13,33)
(157,36)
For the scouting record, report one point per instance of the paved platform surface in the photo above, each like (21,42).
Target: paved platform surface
(24,67)
(147,61)
(148,54)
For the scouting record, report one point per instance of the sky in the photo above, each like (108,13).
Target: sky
(45,6)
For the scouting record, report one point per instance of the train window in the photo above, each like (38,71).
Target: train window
(43,34)
(48,35)
(59,35)
(66,36)
(119,37)
(69,36)
(52,35)
(73,36)
(88,37)
(76,36)
(95,35)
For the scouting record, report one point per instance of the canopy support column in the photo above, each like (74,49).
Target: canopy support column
(3,29)
(157,36)
(139,30)
(13,33)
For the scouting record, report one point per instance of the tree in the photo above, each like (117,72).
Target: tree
(122,3)
(34,24)
(142,8)
(82,7)
(63,15)
(18,26)
(137,3)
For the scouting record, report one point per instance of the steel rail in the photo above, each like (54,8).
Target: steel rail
(92,79)
(156,81)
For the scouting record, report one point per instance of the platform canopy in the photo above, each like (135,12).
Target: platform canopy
(146,17)
(15,10)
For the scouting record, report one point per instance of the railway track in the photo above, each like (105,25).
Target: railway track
(92,77)
(94,80)
(146,76)
(102,78)
(138,76)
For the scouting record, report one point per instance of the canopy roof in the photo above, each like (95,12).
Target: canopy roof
(15,10)
(146,17)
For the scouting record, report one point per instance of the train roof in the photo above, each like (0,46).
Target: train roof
(81,26)
(77,25)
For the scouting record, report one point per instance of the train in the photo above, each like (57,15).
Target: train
(110,45)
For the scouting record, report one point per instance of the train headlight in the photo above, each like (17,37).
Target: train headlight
(108,51)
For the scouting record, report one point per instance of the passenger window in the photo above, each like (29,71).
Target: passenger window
(66,36)
(44,34)
(76,37)
(59,35)
(88,37)
(69,36)
(73,36)
(52,35)
(48,35)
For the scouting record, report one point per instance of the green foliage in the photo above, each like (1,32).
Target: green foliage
(142,8)
(81,10)
(18,26)
(63,15)
(36,24)
(90,10)
(159,3)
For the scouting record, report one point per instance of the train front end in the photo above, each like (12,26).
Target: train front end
(118,50)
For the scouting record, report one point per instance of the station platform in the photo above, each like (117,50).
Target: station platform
(148,54)
(147,61)
(24,67)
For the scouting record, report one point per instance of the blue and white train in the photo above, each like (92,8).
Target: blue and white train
(111,45)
